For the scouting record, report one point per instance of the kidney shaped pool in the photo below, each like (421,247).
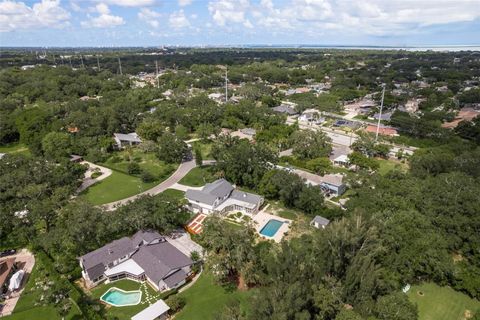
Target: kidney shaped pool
(120,298)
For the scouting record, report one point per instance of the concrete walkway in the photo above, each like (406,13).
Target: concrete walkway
(28,259)
(88,181)
(184,188)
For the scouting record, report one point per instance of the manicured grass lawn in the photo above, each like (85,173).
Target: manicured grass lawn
(206,298)
(198,176)
(205,148)
(442,303)
(147,161)
(116,187)
(177,194)
(17,148)
(388,165)
(125,313)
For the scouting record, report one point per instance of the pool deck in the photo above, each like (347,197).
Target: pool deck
(262,218)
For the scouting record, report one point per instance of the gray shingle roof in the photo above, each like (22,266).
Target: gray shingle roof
(175,278)
(246,197)
(321,220)
(210,192)
(285,109)
(133,137)
(160,259)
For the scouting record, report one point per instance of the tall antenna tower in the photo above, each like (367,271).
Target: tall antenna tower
(156,74)
(98,64)
(81,59)
(380,114)
(120,66)
(226,84)
(70,59)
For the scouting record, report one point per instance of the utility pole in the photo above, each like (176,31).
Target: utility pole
(54,61)
(226,85)
(380,114)
(81,59)
(70,59)
(98,64)
(120,66)
(156,74)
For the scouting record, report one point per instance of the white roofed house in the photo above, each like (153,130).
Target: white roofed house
(319,222)
(126,139)
(221,197)
(146,256)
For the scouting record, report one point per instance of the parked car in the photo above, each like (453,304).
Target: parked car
(7,252)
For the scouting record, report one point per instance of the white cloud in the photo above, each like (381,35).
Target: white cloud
(104,20)
(150,17)
(17,15)
(228,11)
(128,3)
(183,3)
(371,17)
(102,8)
(178,20)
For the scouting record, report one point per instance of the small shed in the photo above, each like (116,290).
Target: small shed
(319,222)
(158,310)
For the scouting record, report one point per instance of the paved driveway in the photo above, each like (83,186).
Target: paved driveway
(88,181)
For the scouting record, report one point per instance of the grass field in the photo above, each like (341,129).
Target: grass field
(16,148)
(198,176)
(206,298)
(388,165)
(124,313)
(174,193)
(116,187)
(120,185)
(205,148)
(442,303)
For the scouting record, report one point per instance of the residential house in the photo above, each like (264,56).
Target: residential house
(346,123)
(341,161)
(386,116)
(146,256)
(128,139)
(245,133)
(221,197)
(333,184)
(311,115)
(217,97)
(2,155)
(284,108)
(319,222)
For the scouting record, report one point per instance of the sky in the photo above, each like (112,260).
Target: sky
(75,23)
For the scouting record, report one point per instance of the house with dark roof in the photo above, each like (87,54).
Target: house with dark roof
(285,108)
(126,139)
(221,197)
(146,256)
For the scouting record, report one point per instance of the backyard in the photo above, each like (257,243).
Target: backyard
(122,184)
(205,149)
(126,312)
(442,303)
(206,298)
(389,165)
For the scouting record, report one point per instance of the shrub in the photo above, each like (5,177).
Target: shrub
(147,177)
(176,303)
(133,168)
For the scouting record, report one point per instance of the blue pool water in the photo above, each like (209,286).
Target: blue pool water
(271,228)
(121,298)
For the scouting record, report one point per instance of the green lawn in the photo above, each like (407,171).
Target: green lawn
(18,148)
(177,194)
(120,185)
(206,298)
(205,148)
(116,187)
(442,303)
(198,176)
(147,161)
(389,165)
(125,313)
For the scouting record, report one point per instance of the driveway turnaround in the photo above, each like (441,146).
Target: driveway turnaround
(88,180)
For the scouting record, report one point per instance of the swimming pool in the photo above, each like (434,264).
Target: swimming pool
(271,228)
(120,298)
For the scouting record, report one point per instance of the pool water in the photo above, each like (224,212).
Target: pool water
(119,298)
(271,228)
